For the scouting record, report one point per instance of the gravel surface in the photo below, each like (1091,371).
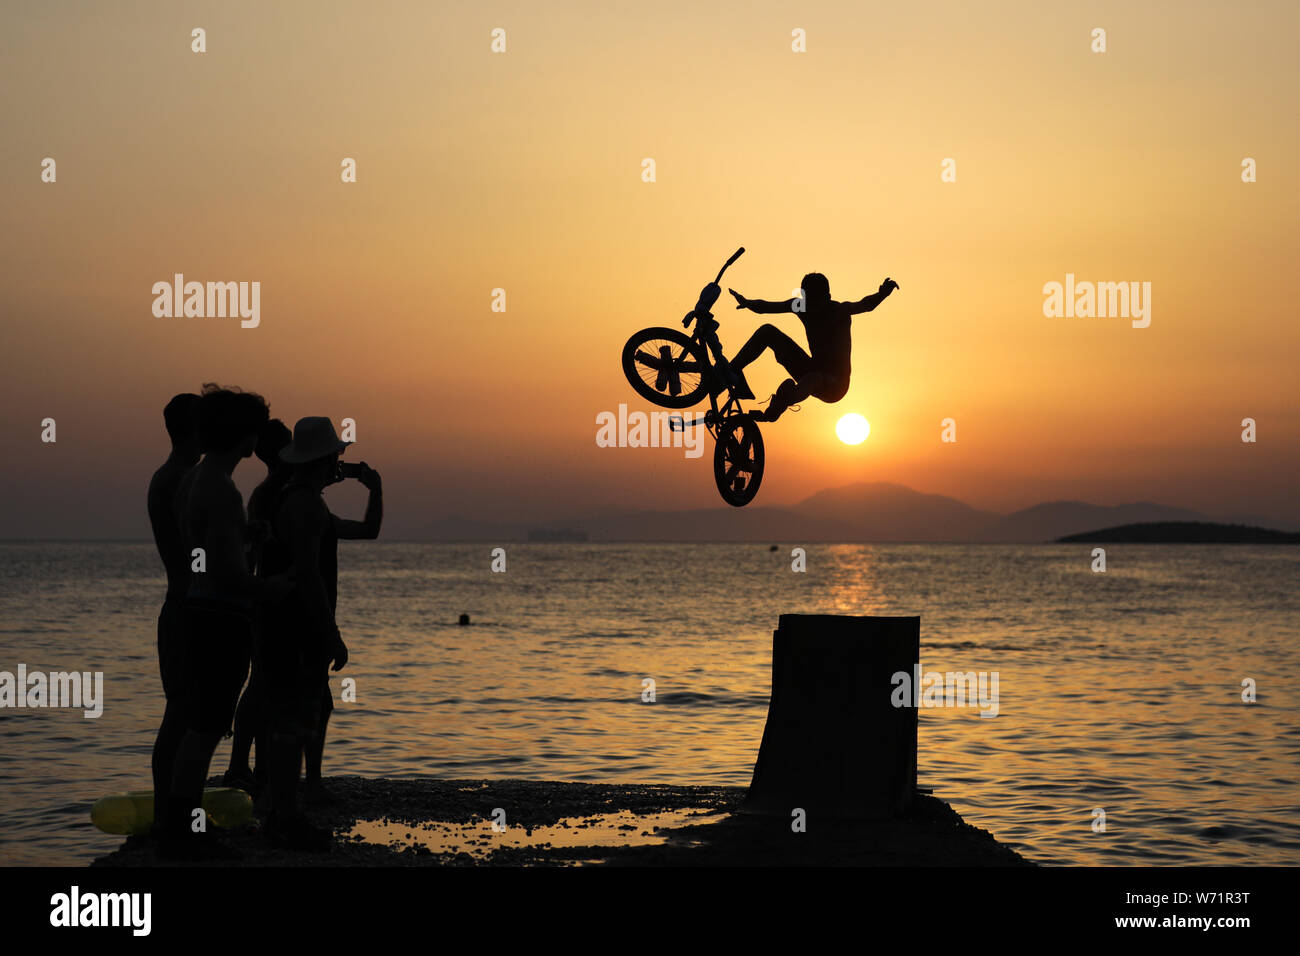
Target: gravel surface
(931,835)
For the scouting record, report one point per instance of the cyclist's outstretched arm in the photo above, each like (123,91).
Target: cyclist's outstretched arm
(761,305)
(867,303)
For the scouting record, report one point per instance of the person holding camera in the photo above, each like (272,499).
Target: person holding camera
(298,638)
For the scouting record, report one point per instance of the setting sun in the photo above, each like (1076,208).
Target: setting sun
(853,429)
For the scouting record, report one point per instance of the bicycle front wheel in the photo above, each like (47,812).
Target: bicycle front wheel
(738,460)
(665,367)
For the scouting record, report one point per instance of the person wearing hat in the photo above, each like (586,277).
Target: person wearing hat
(298,638)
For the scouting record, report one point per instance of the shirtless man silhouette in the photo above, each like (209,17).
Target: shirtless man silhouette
(218,608)
(179,419)
(825,372)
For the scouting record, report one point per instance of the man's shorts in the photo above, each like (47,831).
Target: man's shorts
(827,386)
(218,643)
(171,644)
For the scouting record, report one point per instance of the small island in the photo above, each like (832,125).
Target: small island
(1182,532)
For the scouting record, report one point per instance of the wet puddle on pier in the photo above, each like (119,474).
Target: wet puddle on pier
(479,839)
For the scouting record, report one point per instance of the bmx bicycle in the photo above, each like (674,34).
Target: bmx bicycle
(676,371)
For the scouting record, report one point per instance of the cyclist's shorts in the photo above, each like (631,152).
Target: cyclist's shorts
(827,386)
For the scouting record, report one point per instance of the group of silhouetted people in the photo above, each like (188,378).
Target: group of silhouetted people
(250,596)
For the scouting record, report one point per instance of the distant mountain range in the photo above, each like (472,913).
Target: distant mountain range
(870,511)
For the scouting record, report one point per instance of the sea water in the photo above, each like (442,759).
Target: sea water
(1119,692)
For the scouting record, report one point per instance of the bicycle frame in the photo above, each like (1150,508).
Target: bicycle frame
(706,336)
(738,453)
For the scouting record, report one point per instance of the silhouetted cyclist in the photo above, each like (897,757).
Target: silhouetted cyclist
(825,373)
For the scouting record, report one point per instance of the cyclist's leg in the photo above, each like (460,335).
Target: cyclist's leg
(793,359)
(785,349)
(788,393)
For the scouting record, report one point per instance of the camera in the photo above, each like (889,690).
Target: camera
(350,469)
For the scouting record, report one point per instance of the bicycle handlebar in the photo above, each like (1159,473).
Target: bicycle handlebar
(711,291)
(736,255)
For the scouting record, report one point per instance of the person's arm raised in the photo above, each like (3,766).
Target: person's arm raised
(368,527)
(762,305)
(867,303)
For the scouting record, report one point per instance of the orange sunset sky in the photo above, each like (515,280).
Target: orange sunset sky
(522,171)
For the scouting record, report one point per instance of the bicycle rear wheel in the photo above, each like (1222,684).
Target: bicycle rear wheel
(665,367)
(738,460)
